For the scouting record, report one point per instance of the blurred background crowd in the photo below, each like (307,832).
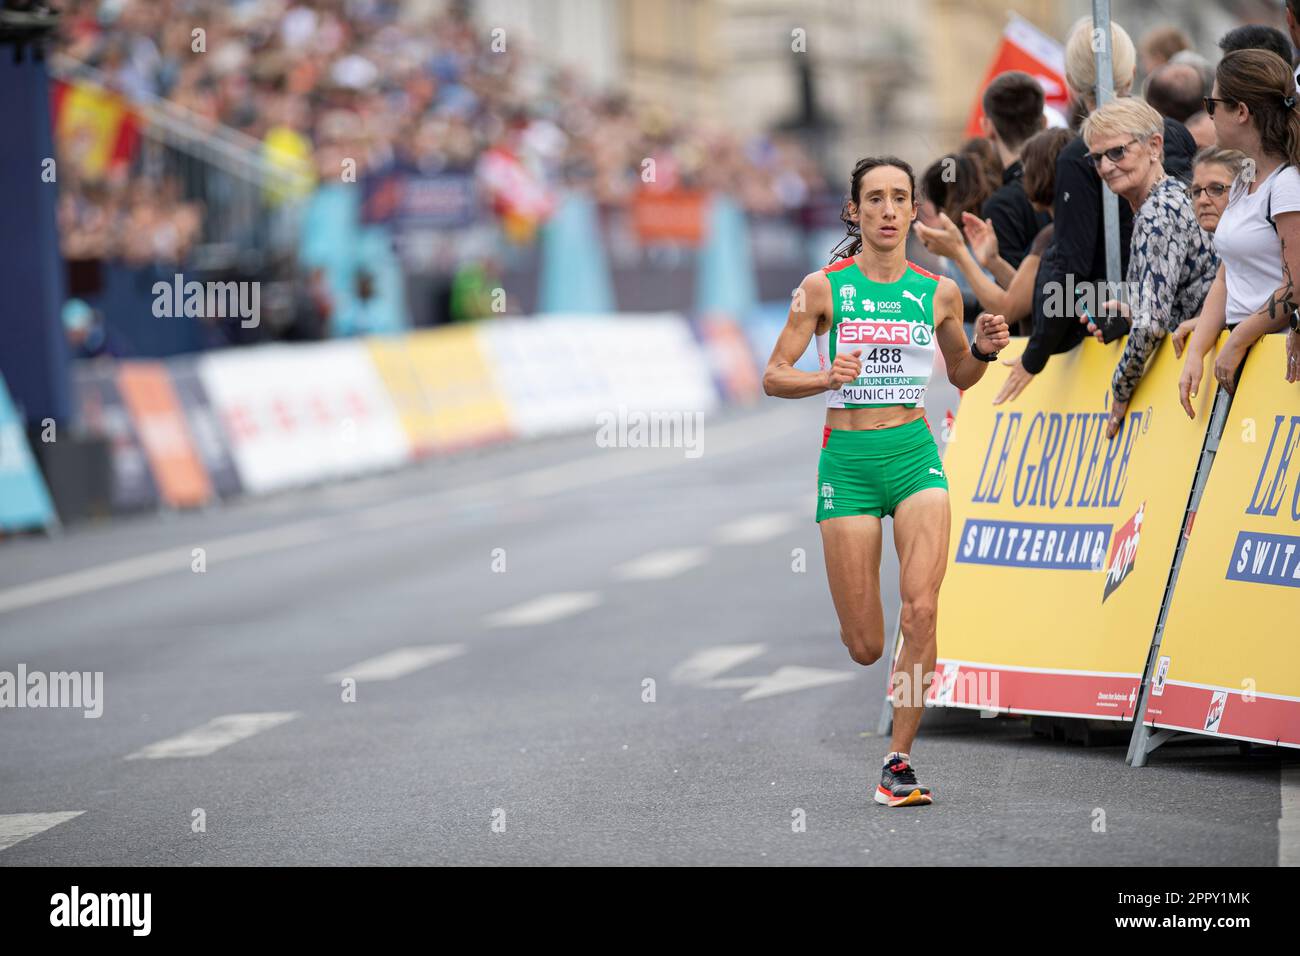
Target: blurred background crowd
(382,164)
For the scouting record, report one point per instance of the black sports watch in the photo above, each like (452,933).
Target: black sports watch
(982,356)
(1295,320)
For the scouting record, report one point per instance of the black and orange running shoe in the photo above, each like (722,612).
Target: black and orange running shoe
(898,786)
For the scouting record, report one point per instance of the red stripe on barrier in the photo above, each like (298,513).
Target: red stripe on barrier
(1096,696)
(1193,709)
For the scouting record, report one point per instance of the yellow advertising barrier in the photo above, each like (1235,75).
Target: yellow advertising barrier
(1229,660)
(1062,540)
(444,392)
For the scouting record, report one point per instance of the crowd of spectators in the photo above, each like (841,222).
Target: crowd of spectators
(1209,221)
(324,81)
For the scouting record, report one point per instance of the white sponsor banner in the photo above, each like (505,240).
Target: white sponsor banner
(298,414)
(557,373)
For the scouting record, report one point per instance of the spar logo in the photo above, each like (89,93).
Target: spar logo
(921,335)
(1123,549)
(875,333)
(1215,714)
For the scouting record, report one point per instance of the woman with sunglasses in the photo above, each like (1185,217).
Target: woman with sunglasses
(1213,170)
(1171,260)
(1254,108)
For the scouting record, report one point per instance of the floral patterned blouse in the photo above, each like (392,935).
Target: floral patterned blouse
(1170,269)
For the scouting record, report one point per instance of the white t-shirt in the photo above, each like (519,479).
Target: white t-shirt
(1248,245)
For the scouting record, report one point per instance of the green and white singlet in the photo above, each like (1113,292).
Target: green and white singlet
(893,324)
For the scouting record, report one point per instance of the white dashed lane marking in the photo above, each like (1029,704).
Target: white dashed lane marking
(544,609)
(661,564)
(399,663)
(214,735)
(571,475)
(16,827)
(756,528)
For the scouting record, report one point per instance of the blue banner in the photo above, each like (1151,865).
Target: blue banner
(410,200)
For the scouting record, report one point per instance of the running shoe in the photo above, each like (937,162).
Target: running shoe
(898,786)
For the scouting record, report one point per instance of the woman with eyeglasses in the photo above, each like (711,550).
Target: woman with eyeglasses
(1254,109)
(1076,257)
(1213,170)
(1171,260)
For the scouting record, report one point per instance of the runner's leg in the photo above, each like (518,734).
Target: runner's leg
(921,523)
(852,550)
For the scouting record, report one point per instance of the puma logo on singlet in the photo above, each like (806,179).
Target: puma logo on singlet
(936,471)
(921,301)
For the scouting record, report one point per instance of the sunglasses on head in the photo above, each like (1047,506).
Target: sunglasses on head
(1214,189)
(1210,101)
(1114,154)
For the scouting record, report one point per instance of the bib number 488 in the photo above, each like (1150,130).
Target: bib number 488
(883,355)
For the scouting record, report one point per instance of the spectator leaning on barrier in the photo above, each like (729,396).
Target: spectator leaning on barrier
(1013,112)
(1213,170)
(1010,290)
(1258,238)
(1171,263)
(1077,254)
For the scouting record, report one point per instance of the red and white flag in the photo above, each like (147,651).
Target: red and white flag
(1026,48)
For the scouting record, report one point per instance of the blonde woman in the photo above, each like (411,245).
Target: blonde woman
(1171,259)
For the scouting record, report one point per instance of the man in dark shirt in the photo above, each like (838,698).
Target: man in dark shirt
(1013,112)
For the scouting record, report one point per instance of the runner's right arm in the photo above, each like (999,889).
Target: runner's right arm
(812,301)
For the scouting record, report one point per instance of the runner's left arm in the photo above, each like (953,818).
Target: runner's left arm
(991,335)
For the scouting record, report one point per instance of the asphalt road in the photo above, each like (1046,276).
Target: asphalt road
(506,719)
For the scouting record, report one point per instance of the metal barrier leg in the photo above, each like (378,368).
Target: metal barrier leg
(1144,740)
(885,726)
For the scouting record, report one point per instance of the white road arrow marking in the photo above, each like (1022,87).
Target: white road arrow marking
(16,827)
(791,678)
(398,663)
(661,564)
(711,661)
(703,667)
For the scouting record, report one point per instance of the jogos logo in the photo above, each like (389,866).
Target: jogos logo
(884,333)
